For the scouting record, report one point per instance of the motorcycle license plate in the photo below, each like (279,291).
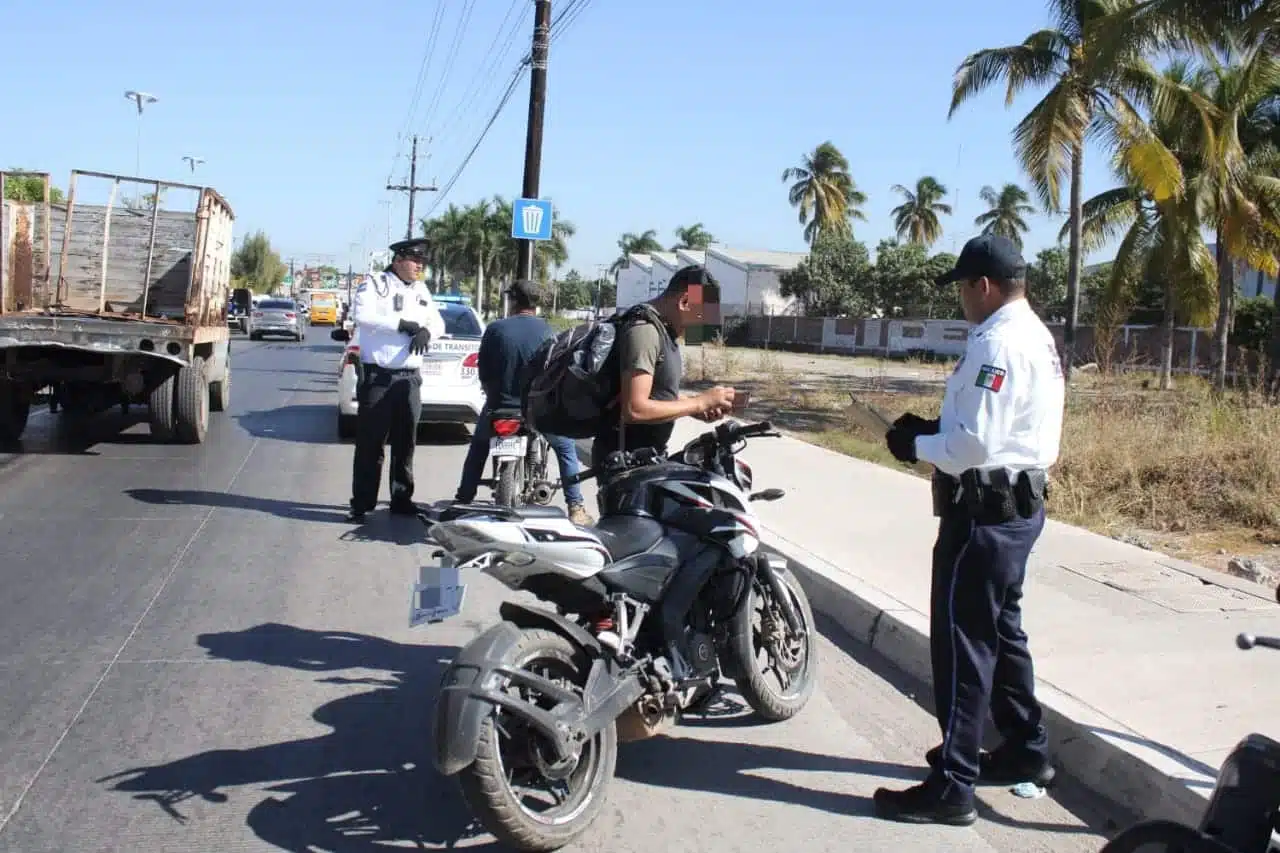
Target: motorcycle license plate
(512,446)
(438,594)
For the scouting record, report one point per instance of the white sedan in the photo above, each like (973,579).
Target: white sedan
(451,391)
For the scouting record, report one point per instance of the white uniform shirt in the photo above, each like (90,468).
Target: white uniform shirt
(381,341)
(1003,404)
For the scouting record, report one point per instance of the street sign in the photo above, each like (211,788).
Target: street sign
(531,219)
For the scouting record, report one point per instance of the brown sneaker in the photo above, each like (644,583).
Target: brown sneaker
(579,516)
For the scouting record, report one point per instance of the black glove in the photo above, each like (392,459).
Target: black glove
(902,444)
(421,341)
(916,425)
(409,327)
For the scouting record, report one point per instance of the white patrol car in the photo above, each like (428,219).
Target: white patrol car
(451,391)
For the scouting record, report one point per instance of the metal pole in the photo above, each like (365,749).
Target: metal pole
(533,133)
(413,184)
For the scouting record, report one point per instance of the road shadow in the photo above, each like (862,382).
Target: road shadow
(1091,809)
(366,785)
(295,510)
(732,769)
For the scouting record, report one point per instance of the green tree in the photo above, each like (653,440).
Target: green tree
(1093,69)
(256,265)
(635,244)
(830,281)
(1047,282)
(823,192)
(916,219)
(904,278)
(29,189)
(692,237)
(1005,212)
(573,292)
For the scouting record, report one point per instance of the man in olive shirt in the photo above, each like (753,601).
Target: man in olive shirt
(649,359)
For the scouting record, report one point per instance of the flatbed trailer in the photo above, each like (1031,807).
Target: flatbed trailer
(116,305)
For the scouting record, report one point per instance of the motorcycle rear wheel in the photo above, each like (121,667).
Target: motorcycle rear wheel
(796,658)
(509,482)
(506,746)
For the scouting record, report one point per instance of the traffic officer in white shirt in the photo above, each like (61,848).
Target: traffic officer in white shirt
(396,319)
(999,433)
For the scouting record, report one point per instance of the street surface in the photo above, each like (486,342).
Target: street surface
(197,653)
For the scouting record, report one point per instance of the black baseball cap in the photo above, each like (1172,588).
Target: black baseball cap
(986,255)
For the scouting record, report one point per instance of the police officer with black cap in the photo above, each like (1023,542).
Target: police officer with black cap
(396,319)
(999,433)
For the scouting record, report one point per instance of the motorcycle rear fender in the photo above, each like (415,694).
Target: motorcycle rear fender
(469,693)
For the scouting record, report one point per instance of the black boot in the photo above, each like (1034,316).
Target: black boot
(1006,766)
(926,803)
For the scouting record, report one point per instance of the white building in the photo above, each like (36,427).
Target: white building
(749,280)
(633,281)
(665,265)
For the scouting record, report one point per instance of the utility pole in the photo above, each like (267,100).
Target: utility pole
(412,188)
(533,133)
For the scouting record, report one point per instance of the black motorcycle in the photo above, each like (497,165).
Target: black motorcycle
(667,593)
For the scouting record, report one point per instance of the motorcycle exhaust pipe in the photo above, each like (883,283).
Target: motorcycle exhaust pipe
(542,492)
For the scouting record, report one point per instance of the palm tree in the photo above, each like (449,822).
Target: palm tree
(1161,227)
(916,219)
(692,237)
(1236,189)
(824,193)
(635,244)
(1094,69)
(1006,209)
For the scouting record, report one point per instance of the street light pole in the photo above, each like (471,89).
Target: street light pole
(533,133)
(193,161)
(139,99)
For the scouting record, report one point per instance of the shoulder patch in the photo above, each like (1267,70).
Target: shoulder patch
(990,377)
(364,285)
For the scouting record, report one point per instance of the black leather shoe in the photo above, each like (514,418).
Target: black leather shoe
(924,804)
(1004,767)
(356,517)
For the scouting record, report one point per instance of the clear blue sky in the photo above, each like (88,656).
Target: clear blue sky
(659,114)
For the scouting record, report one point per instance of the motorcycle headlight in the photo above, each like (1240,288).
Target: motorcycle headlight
(743,471)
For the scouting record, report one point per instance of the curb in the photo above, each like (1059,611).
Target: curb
(1137,778)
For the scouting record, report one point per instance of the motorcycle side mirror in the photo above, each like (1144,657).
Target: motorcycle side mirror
(339,335)
(768,495)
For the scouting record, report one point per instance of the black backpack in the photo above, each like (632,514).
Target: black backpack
(573,379)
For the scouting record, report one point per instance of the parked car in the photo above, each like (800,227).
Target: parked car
(277,317)
(451,391)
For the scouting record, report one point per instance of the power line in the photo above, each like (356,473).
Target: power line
(463,20)
(506,97)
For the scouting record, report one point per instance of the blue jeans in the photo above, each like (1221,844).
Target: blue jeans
(478,454)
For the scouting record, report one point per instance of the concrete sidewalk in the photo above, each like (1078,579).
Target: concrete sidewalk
(1127,642)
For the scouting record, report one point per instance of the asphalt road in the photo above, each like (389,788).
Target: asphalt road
(198,654)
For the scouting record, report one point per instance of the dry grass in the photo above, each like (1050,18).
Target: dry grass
(1179,469)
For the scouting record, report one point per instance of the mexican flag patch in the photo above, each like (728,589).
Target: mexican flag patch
(990,377)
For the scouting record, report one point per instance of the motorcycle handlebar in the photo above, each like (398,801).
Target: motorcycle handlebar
(723,436)
(1249,641)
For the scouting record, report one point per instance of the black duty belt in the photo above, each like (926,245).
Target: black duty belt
(991,496)
(376,370)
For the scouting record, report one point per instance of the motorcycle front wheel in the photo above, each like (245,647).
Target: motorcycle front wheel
(778,686)
(514,787)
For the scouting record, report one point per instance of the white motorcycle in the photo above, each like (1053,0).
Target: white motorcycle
(667,593)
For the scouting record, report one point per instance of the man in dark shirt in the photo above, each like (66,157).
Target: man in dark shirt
(650,401)
(505,348)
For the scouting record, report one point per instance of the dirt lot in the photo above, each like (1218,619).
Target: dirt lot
(1178,472)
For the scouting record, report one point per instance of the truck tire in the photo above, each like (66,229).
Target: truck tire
(220,391)
(160,410)
(191,403)
(15,408)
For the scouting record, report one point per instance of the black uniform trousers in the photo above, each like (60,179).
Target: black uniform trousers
(390,403)
(979,650)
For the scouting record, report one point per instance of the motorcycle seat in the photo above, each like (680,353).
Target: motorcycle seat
(455,511)
(627,535)
(506,414)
